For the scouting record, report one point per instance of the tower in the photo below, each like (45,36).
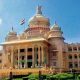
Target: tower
(56,41)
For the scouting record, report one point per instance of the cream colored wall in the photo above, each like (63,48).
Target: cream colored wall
(60,47)
(1,59)
(73,53)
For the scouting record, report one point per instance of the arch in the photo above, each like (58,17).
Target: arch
(79,55)
(75,48)
(70,56)
(75,56)
(69,48)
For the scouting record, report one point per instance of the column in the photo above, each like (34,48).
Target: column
(26,57)
(73,61)
(72,48)
(47,57)
(42,54)
(4,57)
(39,56)
(78,60)
(33,60)
(12,56)
(18,58)
(77,49)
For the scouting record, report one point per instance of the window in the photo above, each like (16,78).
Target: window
(54,54)
(70,65)
(0,61)
(69,48)
(54,63)
(29,57)
(40,48)
(79,48)
(22,57)
(75,48)
(75,56)
(17,58)
(36,49)
(79,56)
(70,56)
(76,65)
(29,49)
(22,50)
(0,54)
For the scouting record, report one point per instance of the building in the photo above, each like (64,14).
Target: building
(1,51)
(39,45)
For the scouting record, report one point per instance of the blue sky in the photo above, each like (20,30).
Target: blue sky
(65,12)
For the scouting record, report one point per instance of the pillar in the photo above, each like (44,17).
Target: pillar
(39,56)
(33,58)
(4,57)
(26,57)
(78,61)
(12,57)
(18,57)
(42,54)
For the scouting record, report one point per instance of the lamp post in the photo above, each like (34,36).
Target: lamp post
(40,78)
(10,75)
(73,71)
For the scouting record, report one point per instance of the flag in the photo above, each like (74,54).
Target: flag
(22,21)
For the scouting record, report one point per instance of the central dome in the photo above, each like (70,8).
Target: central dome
(38,18)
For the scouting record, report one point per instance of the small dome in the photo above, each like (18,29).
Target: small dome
(55,32)
(38,18)
(55,27)
(12,35)
(12,32)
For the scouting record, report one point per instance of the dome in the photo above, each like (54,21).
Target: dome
(12,35)
(55,27)
(55,32)
(12,32)
(38,18)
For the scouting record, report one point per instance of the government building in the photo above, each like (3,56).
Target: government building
(39,45)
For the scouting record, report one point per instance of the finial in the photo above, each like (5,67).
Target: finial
(12,28)
(55,22)
(38,10)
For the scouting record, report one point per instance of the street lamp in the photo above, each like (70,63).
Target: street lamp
(10,74)
(73,72)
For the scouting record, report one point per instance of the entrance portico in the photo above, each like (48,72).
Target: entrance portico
(25,55)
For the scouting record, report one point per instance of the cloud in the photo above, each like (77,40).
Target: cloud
(0,21)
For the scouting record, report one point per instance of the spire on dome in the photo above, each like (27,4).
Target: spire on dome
(55,26)
(55,22)
(38,10)
(12,28)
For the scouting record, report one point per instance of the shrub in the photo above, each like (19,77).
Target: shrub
(33,76)
(63,76)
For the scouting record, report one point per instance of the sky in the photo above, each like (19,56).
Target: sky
(65,12)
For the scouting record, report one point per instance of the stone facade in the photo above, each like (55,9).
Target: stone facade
(39,45)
